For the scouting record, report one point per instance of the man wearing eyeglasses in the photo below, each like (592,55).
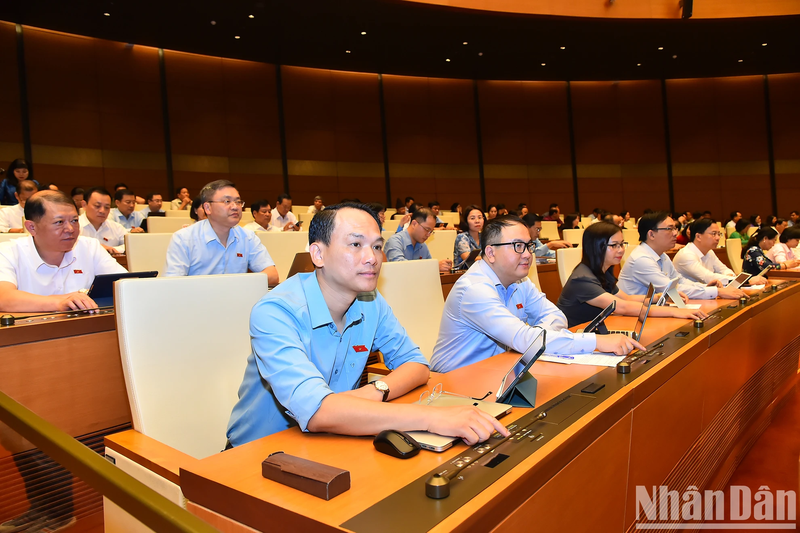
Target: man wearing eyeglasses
(697,261)
(649,263)
(534,223)
(217,245)
(492,307)
(409,244)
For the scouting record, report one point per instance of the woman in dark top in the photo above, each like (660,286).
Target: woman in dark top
(592,285)
(572,222)
(755,254)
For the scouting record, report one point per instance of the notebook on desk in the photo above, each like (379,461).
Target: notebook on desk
(636,333)
(511,379)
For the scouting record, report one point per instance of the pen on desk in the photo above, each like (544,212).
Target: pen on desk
(561,356)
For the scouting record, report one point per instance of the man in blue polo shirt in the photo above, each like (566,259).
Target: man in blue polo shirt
(311,337)
(410,244)
(217,245)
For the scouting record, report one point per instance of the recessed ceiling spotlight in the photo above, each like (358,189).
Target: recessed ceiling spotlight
(563,47)
(674,57)
(638,64)
(447,60)
(251,16)
(543,64)
(107,14)
(763,44)
(660,47)
(213,22)
(741,61)
(237,37)
(465,43)
(347,51)
(480,54)
(363,33)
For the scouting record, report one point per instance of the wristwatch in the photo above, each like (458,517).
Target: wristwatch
(383,387)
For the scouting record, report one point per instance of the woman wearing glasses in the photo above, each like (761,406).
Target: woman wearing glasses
(592,285)
(472,221)
(755,254)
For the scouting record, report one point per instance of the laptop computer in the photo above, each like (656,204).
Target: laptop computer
(102,289)
(301,263)
(508,386)
(636,333)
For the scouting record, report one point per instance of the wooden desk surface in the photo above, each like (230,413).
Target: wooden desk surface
(793,273)
(226,481)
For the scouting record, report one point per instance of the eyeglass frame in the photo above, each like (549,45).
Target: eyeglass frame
(673,229)
(530,245)
(616,245)
(227,202)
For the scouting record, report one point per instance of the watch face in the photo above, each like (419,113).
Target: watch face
(381,386)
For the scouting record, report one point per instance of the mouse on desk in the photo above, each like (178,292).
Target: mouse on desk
(396,443)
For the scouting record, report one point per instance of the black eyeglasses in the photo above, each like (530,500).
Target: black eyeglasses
(519,246)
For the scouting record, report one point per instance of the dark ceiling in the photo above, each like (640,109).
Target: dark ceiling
(415,39)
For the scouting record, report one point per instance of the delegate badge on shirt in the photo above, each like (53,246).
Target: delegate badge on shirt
(77,271)
(239,255)
(360,348)
(519,306)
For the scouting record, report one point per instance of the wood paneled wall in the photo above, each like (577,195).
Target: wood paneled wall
(102,112)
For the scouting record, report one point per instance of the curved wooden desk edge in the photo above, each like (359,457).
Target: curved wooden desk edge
(150,453)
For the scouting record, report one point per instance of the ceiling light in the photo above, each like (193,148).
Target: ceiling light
(213,22)
(660,47)
(236,37)
(563,47)
(363,33)
(347,51)
(251,16)
(674,57)
(447,60)
(638,64)
(741,61)
(480,54)
(763,44)
(107,14)
(543,64)
(465,43)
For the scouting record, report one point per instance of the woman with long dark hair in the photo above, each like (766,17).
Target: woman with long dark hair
(754,255)
(18,170)
(592,286)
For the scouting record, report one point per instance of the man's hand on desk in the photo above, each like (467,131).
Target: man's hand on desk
(689,314)
(75,301)
(445,265)
(617,344)
(729,293)
(469,423)
(555,245)
(137,230)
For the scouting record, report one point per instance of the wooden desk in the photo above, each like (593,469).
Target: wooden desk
(549,281)
(791,274)
(687,421)
(448,280)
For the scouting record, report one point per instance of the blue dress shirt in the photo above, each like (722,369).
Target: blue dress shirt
(543,251)
(645,266)
(299,357)
(399,248)
(196,250)
(482,318)
(133,221)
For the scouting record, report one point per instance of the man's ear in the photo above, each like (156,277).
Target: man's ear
(488,254)
(317,255)
(30,226)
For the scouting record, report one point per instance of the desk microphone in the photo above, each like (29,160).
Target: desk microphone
(9,320)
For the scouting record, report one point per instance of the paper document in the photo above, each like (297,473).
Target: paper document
(594,359)
(755,287)
(688,306)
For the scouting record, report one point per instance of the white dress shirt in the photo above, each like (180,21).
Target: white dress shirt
(11,218)
(313,209)
(780,253)
(110,233)
(279,222)
(255,226)
(645,266)
(133,221)
(21,265)
(693,265)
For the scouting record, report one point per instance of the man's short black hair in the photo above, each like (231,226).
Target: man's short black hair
(733,214)
(493,228)
(35,207)
(651,221)
(323,223)
(122,193)
(179,189)
(531,218)
(256,206)
(120,186)
(409,199)
(282,197)
(434,204)
(99,190)
(376,207)
(210,189)
(553,206)
(421,215)
(149,196)
(788,234)
(700,226)
(742,225)
(76,191)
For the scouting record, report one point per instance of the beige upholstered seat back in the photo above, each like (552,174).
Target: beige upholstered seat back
(631,236)
(5,237)
(441,244)
(184,344)
(549,230)
(533,275)
(178,213)
(573,236)
(414,292)
(147,251)
(166,224)
(282,247)
(734,249)
(567,259)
